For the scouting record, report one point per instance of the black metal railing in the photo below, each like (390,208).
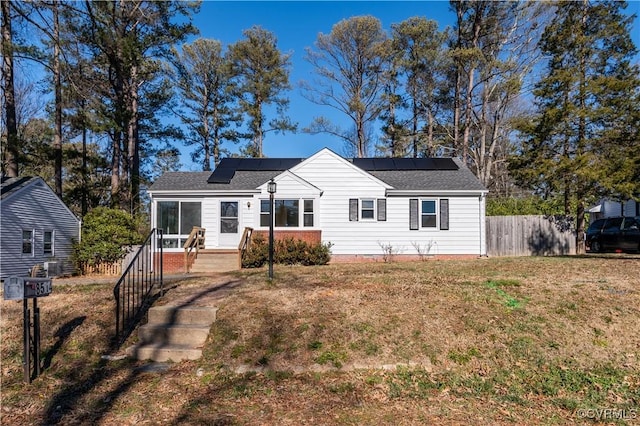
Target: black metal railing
(134,291)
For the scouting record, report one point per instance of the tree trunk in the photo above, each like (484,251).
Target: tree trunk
(134,145)
(414,122)
(12,152)
(57,136)
(115,169)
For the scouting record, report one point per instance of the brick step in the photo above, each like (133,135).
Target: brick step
(174,334)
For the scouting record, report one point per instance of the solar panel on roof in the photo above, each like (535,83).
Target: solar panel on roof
(374,164)
(221,175)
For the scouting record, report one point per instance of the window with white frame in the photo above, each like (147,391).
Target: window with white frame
(429,214)
(27,241)
(47,243)
(287,213)
(228,217)
(177,219)
(308,213)
(366,209)
(428,217)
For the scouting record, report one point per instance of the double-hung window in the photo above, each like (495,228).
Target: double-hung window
(27,241)
(429,214)
(367,209)
(47,243)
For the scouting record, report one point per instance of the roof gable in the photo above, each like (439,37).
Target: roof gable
(334,158)
(12,187)
(291,181)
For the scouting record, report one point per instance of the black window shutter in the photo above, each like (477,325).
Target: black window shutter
(413,213)
(382,209)
(444,214)
(353,209)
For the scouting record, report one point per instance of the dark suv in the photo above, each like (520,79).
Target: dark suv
(614,233)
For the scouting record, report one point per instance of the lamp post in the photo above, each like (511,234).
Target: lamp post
(271,189)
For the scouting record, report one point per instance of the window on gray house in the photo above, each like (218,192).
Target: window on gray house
(27,242)
(47,243)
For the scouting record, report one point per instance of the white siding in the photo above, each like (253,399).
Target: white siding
(331,182)
(367,237)
(37,208)
(341,181)
(210,215)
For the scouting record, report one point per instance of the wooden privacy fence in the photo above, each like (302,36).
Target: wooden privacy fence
(530,236)
(108,268)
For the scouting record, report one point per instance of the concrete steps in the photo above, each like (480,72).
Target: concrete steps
(173,333)
(215,261)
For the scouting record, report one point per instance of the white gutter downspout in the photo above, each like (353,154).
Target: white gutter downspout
(483,221)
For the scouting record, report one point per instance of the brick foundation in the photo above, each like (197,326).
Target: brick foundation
(172,263)
(310,237)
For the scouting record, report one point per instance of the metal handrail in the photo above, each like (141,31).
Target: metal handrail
(133,291)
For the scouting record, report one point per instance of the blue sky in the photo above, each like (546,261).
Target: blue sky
(296,25)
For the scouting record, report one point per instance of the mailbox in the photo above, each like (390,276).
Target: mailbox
(19,288)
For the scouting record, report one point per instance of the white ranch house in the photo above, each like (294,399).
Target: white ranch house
(37,228)
(432,206)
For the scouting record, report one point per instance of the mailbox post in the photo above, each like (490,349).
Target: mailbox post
(19,288)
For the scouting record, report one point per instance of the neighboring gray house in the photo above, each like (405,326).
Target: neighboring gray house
(360,205)
(36,228)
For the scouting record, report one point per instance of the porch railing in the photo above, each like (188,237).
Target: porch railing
(245,241)
(194,242)
(134,291)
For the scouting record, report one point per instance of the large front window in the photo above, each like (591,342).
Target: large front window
(177,219)
(287,213)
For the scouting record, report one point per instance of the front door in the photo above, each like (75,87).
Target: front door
(229,224)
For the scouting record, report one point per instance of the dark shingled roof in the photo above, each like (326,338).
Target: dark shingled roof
(197,181)
(427,180)
(11,185)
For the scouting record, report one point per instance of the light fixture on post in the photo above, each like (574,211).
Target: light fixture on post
(271,189)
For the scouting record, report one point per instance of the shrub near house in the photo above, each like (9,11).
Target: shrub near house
(106,235)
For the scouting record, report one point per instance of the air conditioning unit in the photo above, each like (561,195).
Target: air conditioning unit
(53,268)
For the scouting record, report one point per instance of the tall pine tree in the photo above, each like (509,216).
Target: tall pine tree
(586,102)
